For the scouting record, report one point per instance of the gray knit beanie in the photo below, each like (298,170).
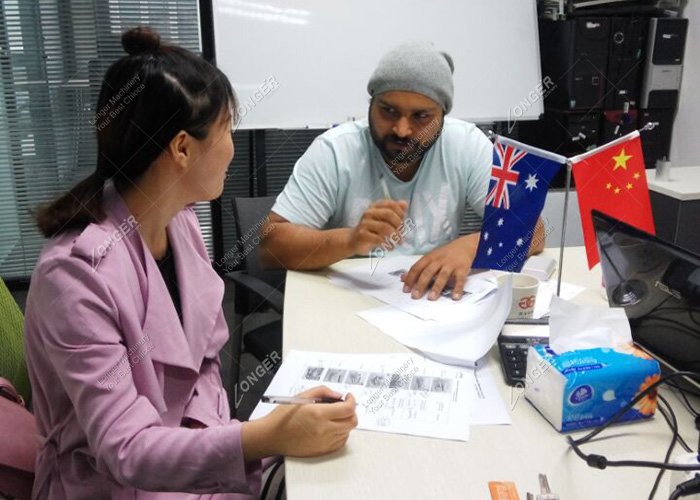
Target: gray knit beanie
(415,67)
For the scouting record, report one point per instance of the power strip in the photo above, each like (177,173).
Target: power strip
(678,477)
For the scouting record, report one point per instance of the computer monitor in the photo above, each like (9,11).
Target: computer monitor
(658,285)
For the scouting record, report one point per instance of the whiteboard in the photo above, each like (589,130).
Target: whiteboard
(306,63)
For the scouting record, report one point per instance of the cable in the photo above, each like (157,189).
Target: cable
(688,309)
(673,424)
(634,401)
(682,391)
(601,462)
(681,441)
(689,331)
(697,428)
(686,488)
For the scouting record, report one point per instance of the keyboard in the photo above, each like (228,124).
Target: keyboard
(513,349)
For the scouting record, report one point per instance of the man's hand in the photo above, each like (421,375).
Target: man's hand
(380,221)
(294,246)
(449,263)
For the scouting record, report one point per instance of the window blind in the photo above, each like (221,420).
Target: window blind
(237,184)
(53,54)
(282,150)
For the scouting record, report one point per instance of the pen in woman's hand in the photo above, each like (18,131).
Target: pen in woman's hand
(294,400)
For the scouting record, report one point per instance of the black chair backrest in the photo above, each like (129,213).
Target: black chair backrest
(250,215)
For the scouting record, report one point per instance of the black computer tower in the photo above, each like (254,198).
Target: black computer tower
(626,56)
(574,55)
(664,67)
(566,133)
(554,9)
(656,142)
(563,132)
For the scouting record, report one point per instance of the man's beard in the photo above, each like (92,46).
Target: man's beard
(399,152)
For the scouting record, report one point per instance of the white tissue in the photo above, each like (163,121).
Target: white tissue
(573,326)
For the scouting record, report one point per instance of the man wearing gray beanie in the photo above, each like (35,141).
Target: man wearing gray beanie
(398,181)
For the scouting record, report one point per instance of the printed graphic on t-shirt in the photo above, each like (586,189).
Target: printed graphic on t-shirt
(432,219)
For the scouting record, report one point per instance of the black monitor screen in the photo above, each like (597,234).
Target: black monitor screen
(658,285)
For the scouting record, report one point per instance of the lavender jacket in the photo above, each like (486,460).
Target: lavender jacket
(114,372)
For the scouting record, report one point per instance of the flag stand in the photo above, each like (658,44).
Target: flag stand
(569,165)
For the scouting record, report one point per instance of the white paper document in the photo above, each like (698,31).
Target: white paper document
(397,393)
(457,340)
(380,278)
(488,407)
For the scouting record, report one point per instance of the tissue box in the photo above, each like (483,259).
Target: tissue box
(584,388)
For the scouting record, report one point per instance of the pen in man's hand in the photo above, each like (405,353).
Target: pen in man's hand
(385,188)
(294,400)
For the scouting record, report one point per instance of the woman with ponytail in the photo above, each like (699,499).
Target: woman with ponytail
(124,320)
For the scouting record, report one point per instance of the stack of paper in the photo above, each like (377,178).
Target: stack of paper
(383,282)
(397,393)
(455,332)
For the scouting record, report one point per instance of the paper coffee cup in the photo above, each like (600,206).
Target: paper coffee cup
(524,295)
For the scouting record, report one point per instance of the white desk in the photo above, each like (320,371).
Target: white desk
(683,183)
(320,316)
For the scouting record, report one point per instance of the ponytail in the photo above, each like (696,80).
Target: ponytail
(76,209)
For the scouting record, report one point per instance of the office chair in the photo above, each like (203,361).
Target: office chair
(257,289)
(12,363)
(19,440)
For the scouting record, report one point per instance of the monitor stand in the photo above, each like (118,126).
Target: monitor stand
(629,293)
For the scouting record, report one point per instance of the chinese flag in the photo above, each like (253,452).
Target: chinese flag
(612,179)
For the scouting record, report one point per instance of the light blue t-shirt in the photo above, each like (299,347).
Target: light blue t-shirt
(338,177)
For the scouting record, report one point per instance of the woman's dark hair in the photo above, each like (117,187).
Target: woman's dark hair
(147,97)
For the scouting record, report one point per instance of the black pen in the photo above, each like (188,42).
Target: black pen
(295,400)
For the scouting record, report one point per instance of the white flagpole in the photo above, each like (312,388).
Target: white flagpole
(569,166)
(543,153)
(619,140)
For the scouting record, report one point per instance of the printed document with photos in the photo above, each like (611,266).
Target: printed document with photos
(397,393)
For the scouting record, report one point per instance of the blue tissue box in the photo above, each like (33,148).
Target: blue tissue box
(584,388)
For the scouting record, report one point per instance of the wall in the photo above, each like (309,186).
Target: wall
(552,216)
(685,148)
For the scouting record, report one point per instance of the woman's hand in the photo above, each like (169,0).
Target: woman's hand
(301,430)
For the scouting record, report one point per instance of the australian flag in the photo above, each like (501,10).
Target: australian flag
(520,178)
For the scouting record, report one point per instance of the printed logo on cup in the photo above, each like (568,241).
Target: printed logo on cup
(527,302)
(524,295)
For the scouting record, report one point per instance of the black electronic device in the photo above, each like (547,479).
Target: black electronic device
(513,349)
(658,285)
(626,55)
(575,57)
(557,9)
(656,140)
(664,67)
(567,133)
